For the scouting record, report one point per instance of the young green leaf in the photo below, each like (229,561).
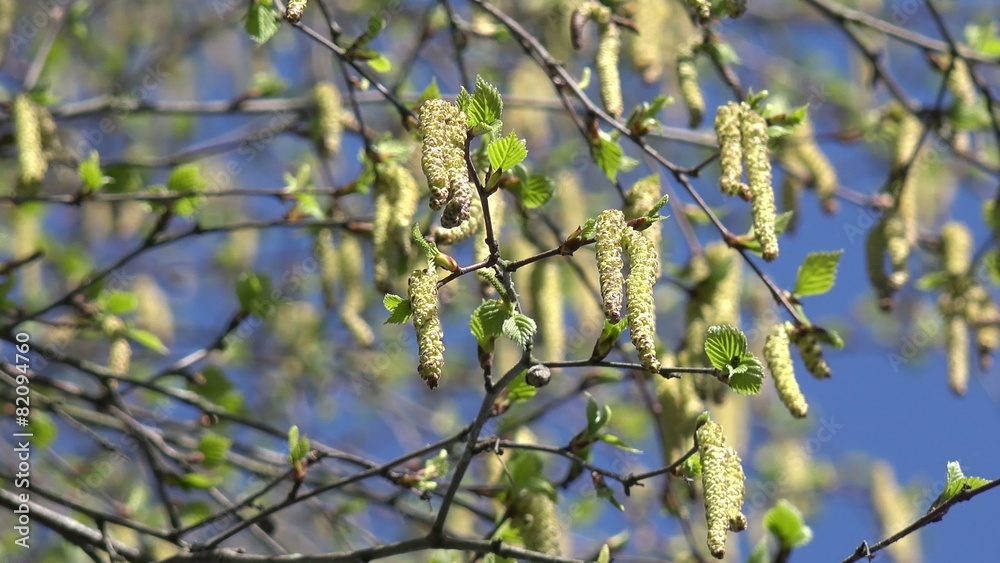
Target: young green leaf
(400,309)
(535,192)
(484,107)
(147,339)
(604,556)
(214,447)
(488,320)
(610,157)
(748,377)
(785,521)
(725,346)
(431,92)
(41,428)
(618,443)
(956,482)
(609,335)
(520,390)
(520,328)
(507,152)
(254,294)
(117,302)
(190,481)
(817,273)
(761,552)
(90,173)
(262,21)
(298,447)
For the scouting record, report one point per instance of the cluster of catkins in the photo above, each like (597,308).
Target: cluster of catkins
(742,135)
(608,51)
(964,301)
(444,129)
(778,356)
(613,235)
(724,485)
(895,234)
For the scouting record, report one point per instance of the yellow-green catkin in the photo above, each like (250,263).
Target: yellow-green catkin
(982,312)
(679,410)
(465,230)
(724,486)
(644,194)
(536,519)
(956,341)
(120,351)
(727,132)
(758,164)
(687,80)
(530,122)
(777,354)
(31,161)
(7,10)
(548,304)
(823,175)
(608,231)
(423,295)
(606,62)
(875,251)
(329,271)
(703,8)
(643,259)
(443,127)
(329,116)
(153,312)
(812,353)
(651,18)
(351,259)
(396,198)
(956,259)
(895,511)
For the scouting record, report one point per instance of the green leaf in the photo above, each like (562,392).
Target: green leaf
(725,345)
(691,467)
(604,556)
(485,107)
(507,152)
(463,100)
(262,21)
(761,552)
(605,492)
(298,447)
(597,418)
(520,328)
(436,466)
(610,157)
(785,521)
(488,320)
(218,389)
(190,481)
(147,339)
(400,309)
(589,229)
(254,294)
(956,482)
(90,173)
(618,443)
(609,336)
(817,273)
(519,390)
(431,92)
(214,447)
(186,178)
(42,428)
(117,302)
(655,210)
(536,192)
(829,336)
(380,64)
(748,377)
(931,281)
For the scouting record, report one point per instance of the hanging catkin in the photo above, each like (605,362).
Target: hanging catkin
(329,124)
(639,290)
(351,262)
(608,232)
(423,295)
(31,161)
(777,354)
